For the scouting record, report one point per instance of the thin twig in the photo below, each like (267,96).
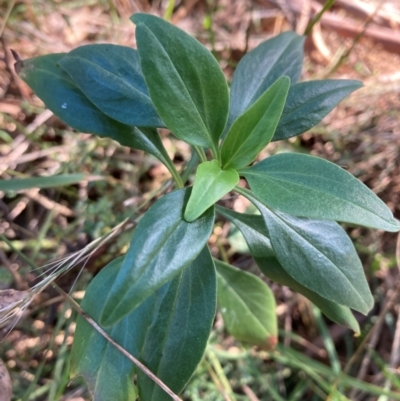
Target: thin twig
(142,367)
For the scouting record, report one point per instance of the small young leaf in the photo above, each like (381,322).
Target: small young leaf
(163,244)
(318,255)
(184,79)
(110,77)
(168,333)
(309,102)
(260,68)
(254,129)
(210,185)
(308,186)
(247,306)
(255,233)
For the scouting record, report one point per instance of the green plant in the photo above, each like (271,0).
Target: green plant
(158,301)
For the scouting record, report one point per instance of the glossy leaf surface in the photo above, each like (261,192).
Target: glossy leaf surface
(210,185)
(65,99)
(185,82)
(320,256)
(168,333)
(69,103)
(110,77)
(308,186)
(309,102)
(163,244)
(260,68)
(255,233)
(247,306)
(254,129)
(107,372)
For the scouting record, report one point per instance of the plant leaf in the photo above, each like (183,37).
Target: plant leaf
(64,99)
(69,103)
(256,235)
(247,306)
(319,255)
(309,102)
(163,244)
(19,184)
(260,68)
(168,333)
(254,129)
(110,77)
(185,315)
(185,82)
(210,185)
(308,186)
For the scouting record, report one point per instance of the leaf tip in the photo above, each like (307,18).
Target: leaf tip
(269,344)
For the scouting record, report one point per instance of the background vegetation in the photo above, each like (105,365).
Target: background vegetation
(315,359)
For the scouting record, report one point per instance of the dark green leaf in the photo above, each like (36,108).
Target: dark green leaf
(254,129)
(318,255)
(53,181)
(309,102)
(108,373)
(168,333)
(69,103)
(163,244)
(59,93)
(210,185)
(308,186)
(255,233)
(183,321)
(185,81)
(247,306)
(110,77)
(260,68)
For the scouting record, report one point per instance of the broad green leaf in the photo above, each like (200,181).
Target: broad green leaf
(308,186)
(163,244)
(210,185)
(260,68)
(108,373)
(185,82)
(247,306)
(18,184)
(255,233)
(168,333)
(183,322)
(309,102)
(319,255)
(110,77)
(60,94)
(254,129)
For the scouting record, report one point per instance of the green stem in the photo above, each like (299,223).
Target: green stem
(175,175)
(193,162)
(328,4)
(169,10)
(201,153)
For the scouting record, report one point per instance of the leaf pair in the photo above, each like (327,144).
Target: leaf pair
(176,318)
(98,89)
(306,276)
